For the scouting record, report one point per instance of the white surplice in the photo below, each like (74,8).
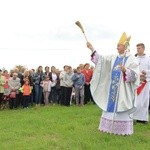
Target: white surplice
(142,112)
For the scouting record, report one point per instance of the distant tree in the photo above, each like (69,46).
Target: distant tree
(3,69)
(20,67)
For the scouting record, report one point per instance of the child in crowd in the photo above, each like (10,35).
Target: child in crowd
(79,81)
(26,91)
(46,84)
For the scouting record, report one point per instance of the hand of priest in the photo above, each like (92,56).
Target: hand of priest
(89,45)
(123,69)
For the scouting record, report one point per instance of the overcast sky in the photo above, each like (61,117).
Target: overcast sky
(43,32)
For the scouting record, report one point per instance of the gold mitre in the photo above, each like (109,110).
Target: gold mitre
(124,40)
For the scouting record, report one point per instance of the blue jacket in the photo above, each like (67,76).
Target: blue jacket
(78,80)
(37,78)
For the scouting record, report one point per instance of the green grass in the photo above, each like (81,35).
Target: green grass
(64,128)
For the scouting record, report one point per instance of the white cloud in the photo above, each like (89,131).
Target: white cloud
(29,25)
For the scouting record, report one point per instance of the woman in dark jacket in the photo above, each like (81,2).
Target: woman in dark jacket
(38,79)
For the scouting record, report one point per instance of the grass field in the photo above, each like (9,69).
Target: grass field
(64,128)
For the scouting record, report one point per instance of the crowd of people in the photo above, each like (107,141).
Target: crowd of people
(26,88)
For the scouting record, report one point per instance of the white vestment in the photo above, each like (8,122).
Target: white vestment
(141,112)
(100,88)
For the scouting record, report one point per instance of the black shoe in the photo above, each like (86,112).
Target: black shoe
(143,122)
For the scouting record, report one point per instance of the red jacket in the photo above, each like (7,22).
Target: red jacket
(88,75)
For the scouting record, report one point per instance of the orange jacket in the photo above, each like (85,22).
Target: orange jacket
(26,90)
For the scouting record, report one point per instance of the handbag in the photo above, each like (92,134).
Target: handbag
(12,94)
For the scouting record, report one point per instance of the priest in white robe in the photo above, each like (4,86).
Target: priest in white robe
(113,87)
(142,113)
